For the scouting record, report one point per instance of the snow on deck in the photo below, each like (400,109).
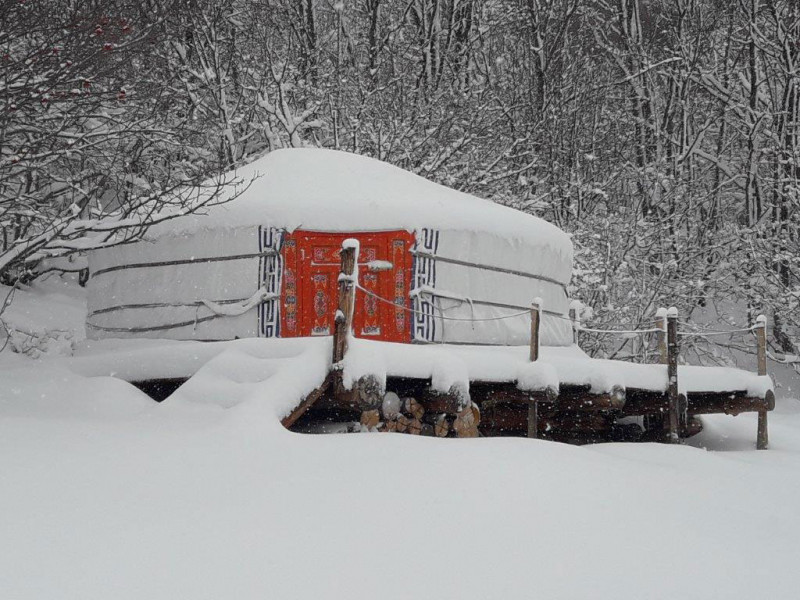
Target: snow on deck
(225,372)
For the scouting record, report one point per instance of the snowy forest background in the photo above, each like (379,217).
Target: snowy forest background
(662,134)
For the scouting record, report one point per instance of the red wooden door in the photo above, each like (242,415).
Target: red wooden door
(310,290)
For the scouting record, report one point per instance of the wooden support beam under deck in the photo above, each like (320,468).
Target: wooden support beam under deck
(307,402)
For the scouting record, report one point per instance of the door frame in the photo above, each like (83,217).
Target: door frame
(395,324)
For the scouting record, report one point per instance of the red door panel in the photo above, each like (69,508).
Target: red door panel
(310,290)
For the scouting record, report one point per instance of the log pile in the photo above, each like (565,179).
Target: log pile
(467,421)
(408,415)
(370,419)
(441,426)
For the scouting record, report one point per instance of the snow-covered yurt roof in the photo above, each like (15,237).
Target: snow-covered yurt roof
(318,189)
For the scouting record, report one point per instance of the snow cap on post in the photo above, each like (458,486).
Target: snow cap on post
(661,316)
(354,245)
(672,311)
(351,243)
(761,321)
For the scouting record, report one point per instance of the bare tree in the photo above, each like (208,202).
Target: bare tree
(89,151)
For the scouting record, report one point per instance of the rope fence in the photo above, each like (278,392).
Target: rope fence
(580,328)
(715,333)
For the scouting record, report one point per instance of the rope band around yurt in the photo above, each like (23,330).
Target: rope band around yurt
(185,261)
(484,267)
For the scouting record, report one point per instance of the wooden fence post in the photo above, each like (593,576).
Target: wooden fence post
(536,307)
(661,336)
(533,403)
(533,417)
(343,322)
(657,422)
(575,319)
(762,438)
(761,336)
(672,375)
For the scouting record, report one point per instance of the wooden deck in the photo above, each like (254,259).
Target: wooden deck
(570,414)
(567,398)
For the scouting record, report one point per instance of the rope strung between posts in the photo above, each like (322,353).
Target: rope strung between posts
(619,331)
(661,329)
(728,332)
(413,311)
(642,321)
(789,359)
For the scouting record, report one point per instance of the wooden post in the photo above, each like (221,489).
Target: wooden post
(533,404)
(661,336)
(762,437)
(533,417)
(343,322)
(761,336)
(672,375)
(575,318)
(536,308)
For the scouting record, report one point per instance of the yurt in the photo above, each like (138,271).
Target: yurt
(435,265)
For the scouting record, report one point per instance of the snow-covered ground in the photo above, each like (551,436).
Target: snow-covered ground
(105,494)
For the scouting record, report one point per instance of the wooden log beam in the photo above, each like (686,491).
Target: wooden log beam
(482,391)
(450,402)
(515,419)
(579,398)
(435,402)
(306,403)
(730,404)
(644,402)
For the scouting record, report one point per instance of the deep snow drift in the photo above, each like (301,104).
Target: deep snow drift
(105,494)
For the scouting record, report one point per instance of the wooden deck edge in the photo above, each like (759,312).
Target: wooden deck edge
(307,402)
(730,404)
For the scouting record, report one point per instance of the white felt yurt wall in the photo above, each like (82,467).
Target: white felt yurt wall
(219,275)
(476,279)
(137,289)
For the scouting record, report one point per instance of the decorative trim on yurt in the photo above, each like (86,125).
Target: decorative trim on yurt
(424,277)
(270,271)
